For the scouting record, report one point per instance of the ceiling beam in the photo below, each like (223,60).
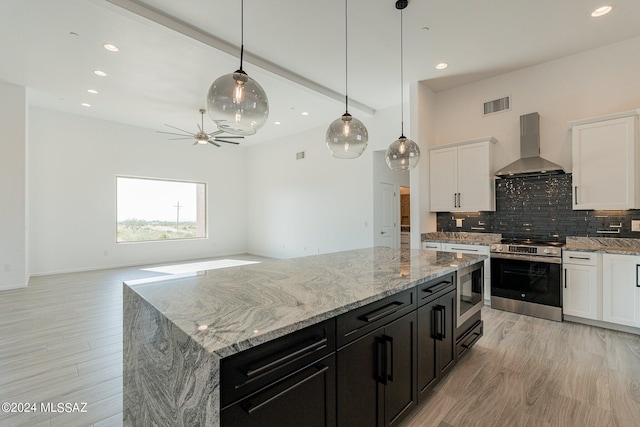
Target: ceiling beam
(210,40)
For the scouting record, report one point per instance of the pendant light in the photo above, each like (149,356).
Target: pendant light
(236,102)
(347,136)
(403,154)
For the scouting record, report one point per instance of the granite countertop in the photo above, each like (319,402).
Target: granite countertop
(229,310)
(608,245)
(462,237)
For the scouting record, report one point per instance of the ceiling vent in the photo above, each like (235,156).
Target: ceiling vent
(497,105)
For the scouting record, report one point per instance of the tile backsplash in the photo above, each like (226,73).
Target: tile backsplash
(540,208)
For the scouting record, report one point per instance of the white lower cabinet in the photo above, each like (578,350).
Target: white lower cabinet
(581,288)
(621,289)
(479,250)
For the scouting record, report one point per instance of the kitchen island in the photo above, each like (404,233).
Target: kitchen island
(177,329)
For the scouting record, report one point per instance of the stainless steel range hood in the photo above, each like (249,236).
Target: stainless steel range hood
(530,163)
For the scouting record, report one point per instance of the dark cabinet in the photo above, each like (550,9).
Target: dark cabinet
(376,372)
(436,326)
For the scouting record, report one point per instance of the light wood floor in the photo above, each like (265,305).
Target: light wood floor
(61,341)
(531,372)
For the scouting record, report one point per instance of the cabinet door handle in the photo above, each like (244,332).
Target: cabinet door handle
(443,319)
(381,345)
(382,312)
(437,322)
(464,249)
(586,258)
(459,200)
(389,351)
(269,396)
(279,360)
(565,278)
(455,200)
(637,274)
(575,194)
(437,287)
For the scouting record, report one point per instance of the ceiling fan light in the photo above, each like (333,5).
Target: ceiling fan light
(403,154)
(347,137)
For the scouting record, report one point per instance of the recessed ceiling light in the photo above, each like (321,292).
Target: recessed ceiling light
(304,113)
(93,91)
(110,47)
(442,66)
(84,104)
(99,73)
(277,123)
(601,11)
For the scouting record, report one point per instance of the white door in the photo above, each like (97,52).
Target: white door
(443,170)
(620,291)
(604,165)
(386,230)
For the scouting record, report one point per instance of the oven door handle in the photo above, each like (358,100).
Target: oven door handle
(542,259)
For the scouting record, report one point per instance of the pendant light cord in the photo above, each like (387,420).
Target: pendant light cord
(401,78)
(346,58)
(241,32)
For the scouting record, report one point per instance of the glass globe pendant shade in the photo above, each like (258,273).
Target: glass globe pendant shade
(347,137)
(237,104)
(403,154)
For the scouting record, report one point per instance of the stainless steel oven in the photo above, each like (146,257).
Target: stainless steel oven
(470,291)
(527,279)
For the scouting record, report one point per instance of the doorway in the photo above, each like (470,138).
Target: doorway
(405,217)
(387,203)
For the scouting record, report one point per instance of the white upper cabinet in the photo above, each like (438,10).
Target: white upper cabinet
(461,177)
(605,162)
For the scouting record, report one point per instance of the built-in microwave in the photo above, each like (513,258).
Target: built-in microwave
(470,292)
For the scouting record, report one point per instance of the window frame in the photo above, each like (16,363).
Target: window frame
(205,207)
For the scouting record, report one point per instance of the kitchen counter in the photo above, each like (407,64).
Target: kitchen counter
(462,237)
(607,245)
(177,328)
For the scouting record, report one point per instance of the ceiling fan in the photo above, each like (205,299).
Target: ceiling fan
(201,136)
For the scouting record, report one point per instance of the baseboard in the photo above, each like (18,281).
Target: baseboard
(602,324)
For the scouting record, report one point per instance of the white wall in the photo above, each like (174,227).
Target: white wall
(319,204)
(304,207)
(423,111)
(14,209)
(73,164)
(592,83)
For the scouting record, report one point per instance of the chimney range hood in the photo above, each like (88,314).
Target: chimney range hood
(530,163)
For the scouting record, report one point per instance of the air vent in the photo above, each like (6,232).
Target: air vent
(497,105)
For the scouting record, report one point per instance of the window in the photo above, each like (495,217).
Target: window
(159,209)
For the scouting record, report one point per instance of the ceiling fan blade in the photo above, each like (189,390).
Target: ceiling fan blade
(173,133)
(175,139)
(212,142)
(195,143)
(199,127)
(231,137)
(212,134)
(228,142)
(173,127)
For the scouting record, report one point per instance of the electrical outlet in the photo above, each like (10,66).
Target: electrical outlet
(459,222)
(635,225)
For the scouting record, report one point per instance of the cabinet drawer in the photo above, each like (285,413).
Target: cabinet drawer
(578,257)
(255,368)
(466,249)
(306,398)
(435,288)
(433,246)
(470,337)
(360,321)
